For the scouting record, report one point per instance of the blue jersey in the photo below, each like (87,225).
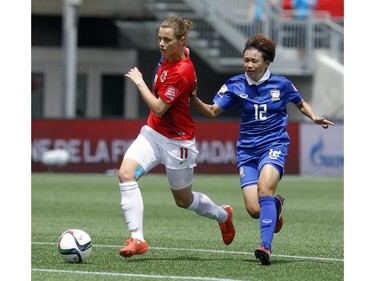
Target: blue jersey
(264,116)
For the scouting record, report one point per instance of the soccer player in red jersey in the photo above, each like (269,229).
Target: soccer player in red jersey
(168,138)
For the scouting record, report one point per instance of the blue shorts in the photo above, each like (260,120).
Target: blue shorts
(249,171)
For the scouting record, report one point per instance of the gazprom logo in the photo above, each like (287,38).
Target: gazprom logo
(320,157)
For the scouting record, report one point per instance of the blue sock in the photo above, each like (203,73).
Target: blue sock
(267,220)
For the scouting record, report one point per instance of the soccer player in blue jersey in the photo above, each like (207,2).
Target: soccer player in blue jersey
(262,146)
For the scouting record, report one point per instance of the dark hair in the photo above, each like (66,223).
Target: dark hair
(180,26)
(263,44)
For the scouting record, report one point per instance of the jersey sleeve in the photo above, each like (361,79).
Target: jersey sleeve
(292,94)
(225,97)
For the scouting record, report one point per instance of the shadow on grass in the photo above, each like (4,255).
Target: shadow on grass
(201,259)
(181,258)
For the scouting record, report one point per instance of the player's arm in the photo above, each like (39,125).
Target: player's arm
(209,110)
(307,110)
(156,105)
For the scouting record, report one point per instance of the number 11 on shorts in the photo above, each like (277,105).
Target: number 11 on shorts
(183,153)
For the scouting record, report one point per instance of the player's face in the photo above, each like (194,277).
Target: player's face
(170,47)
(255,66)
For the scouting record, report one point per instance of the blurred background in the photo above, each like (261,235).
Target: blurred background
(82,103)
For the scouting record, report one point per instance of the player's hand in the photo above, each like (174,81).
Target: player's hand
(323,122)
(135,75)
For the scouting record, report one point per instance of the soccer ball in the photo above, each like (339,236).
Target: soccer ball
(75,245)
(55,158)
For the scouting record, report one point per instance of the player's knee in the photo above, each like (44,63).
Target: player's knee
(264,191)
(182,203)
(253,211)
(125,175)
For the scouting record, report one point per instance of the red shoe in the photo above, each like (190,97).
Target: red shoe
(133,247)
(263,255)
(227,228)
(280,222)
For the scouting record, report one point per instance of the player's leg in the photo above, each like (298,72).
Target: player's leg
(271,169)
(180,182)
(179,160)
(139,159)
(132,208)
(131,197)
(268,180)
(275,157)
(250,196)
(279,205)
(248,178)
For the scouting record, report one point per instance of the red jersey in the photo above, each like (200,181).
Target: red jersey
(174,82)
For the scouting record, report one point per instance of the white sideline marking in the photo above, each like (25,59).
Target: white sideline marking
(132,275)
(207,251)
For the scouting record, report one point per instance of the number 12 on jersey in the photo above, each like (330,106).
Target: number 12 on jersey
(260,110)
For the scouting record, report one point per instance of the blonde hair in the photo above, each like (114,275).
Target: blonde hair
(180,26)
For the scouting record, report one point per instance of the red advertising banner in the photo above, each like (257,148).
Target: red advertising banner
(99,145)
(292,165)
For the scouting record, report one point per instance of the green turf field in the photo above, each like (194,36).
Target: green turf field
(183,245)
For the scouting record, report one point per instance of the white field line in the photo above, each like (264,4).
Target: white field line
(208,251)
(163,277)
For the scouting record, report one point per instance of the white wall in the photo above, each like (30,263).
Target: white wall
(94,63)
(93,8)
(328,87)
(321,150)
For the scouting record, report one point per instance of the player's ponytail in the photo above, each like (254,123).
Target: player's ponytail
(180,26)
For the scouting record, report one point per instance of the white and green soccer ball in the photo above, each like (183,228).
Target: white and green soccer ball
(75,245)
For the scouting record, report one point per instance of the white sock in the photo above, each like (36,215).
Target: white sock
(132,208)
(205,207)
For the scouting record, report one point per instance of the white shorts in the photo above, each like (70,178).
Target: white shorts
(150,149)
